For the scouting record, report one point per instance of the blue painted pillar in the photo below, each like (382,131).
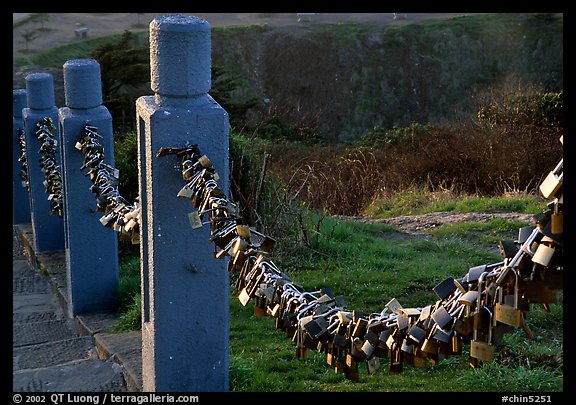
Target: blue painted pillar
(91,249)
(47,229)
(20,196)
(185,290)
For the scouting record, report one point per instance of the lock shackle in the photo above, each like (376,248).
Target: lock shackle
(559,167)
(479,297)
(326,314)
(475,332)
(526,246)
(303,311)
(333,324)
(452,299)
(457,311)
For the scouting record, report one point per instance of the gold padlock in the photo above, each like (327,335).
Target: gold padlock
(557,219)
(508,314)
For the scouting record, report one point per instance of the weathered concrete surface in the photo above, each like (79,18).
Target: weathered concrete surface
(49,354)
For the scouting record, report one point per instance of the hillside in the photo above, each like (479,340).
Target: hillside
(343,79)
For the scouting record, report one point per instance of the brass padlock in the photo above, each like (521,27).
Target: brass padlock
(509,314)
(456,342)
(483,351)
(557,217)
(538,293)
(396,361)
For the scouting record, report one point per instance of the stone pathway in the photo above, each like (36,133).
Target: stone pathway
(48,352)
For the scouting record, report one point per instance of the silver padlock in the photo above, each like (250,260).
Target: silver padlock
(543,254)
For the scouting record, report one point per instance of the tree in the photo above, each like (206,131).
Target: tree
(41,18)
(125,72)
(29,36)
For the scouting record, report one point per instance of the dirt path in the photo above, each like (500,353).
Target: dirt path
(422,224)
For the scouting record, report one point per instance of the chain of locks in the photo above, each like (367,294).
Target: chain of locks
(476,309)
(49,166)
(119,215)
(21,137)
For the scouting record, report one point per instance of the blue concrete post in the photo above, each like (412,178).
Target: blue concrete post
(20,196)
(185,290)
(47,229)
(91,249)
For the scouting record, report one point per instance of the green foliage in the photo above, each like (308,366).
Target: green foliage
(125,71)
(224,85)
(379,136)
(131,317)
(126,161)
(129,281)
(520,110)
(275,129)
(129,296)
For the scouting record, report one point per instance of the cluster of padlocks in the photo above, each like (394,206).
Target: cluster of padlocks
(476,309)
(49,166)
(21,134)
(119,215)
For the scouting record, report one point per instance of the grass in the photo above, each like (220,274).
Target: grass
(57,56)
(416,200)
(484,233)
(368,264)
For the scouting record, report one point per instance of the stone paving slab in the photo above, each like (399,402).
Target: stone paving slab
(55,353)
(51,353)
(32,303)
(41,332)
(126,349)
(76,376)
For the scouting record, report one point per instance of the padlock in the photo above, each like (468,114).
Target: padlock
(456,342)
(507,249)
(402,321)
(429,345)
(508,314)
(396,361)
(543,255)
(407,349)
(442,317)
(553,182)
(524,233)
(393,305)
(368,349)
(557,222)
(483,351)
(351,371)
(538,293)
(417,334)
(360,327)
(259,306)
(372,364)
